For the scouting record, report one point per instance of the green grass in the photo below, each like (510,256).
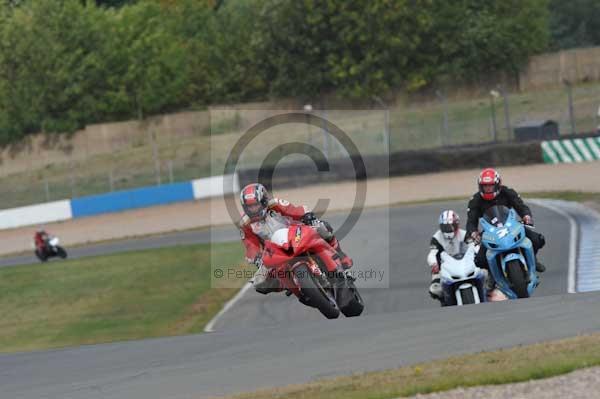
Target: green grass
(517,364)
(135,295)
(576,196)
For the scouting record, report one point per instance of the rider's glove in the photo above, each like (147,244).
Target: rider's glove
(258,260)
(528,220)
(476,237)
(309,218)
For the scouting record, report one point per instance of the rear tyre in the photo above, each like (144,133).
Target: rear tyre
(41,256)
(315,294)
(467,296)
(517,278)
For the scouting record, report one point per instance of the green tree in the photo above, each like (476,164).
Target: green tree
(49,65)
(113,3)
(475,38)
(367,47)
(147,64)
(574,23)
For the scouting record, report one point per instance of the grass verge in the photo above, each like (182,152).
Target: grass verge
(576,196)
(134,295)
(517,364)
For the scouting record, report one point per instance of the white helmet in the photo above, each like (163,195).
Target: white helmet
(449,224)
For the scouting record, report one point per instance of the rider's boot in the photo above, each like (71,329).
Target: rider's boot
(435,287)
(539,266)
(263,283)
(267,286)
(493,293)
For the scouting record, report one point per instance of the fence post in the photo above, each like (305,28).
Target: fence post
(155,155)
(596,122)
(445,130)
(307,112)
(386,128)
(326,135)
(507,126)
(170,165)
(72,179)
(571,111)
(493,95)
(47,189)
(111,180)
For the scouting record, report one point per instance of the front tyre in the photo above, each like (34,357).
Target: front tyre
(315,294)
(355,305)
(517,278)
(467,296)
(60,251)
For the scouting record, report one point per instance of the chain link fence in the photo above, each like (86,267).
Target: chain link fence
(447,122)
(179,147)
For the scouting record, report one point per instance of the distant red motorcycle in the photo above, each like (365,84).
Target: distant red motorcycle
(47,246)
(322,283)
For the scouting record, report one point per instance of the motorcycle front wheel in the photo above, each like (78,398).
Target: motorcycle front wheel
(315,294)
(60,251)
(517,278)
(355,306)
(467,296)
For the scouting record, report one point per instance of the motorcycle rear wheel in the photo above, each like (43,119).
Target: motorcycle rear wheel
(41,256)
(315,294)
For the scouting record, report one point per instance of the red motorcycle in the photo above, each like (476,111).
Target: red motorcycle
(317,281)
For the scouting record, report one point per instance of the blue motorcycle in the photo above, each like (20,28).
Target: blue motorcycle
(509,252)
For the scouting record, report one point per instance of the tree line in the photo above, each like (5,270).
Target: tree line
(68,63)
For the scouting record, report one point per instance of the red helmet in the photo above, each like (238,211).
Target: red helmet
(489,182)
(255,200)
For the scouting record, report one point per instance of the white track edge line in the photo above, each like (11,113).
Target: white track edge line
(573,237)
(211,324)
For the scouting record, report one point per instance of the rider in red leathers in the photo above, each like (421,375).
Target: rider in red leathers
(40,239)
(263,215)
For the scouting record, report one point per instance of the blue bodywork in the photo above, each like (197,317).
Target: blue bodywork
(507,239)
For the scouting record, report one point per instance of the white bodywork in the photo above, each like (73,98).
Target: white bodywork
(54,241)
(456,270)
(280,237)
(452,246)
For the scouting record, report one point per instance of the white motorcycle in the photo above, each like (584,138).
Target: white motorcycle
(462,282)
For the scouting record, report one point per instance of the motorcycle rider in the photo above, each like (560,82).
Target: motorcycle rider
(263,215)
(450,238)
(491,193)
(41,239)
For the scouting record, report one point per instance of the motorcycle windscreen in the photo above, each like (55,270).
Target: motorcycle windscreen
(497,215)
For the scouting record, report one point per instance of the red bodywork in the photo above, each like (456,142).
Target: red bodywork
(302,241)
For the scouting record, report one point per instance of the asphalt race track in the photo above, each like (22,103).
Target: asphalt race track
(133,244)
(410,229)
(273,340)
